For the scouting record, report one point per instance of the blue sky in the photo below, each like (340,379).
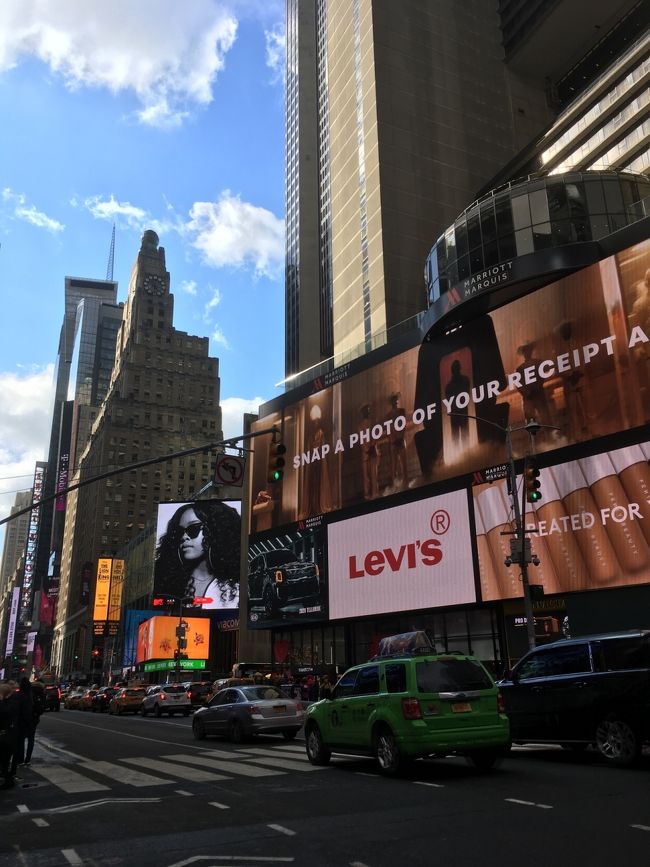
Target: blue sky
(158,114)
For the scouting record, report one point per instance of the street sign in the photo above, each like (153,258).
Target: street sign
(229,471)
(168,664)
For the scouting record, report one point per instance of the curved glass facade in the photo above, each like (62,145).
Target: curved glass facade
(531,215)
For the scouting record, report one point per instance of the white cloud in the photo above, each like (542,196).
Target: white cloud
(232,411)
(276,44)
(220,338)
(230,232)
(188,287)
(210,305)
(26,413)
(165,52)
(29,213)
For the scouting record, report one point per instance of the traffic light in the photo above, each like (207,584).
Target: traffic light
(277,452)
(531,478)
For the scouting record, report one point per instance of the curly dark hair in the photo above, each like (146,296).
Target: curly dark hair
(221,543)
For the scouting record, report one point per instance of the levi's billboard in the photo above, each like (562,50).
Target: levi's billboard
(413,556)
(573,355)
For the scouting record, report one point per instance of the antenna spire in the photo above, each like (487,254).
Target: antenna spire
(111,257)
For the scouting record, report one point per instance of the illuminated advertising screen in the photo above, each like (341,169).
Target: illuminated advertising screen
(26,598)
(574,356)
(198,552)
(591,528)
(157,638)
(286,578)
(417,555)
(102,589)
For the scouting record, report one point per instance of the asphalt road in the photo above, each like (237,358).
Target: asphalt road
(106,791)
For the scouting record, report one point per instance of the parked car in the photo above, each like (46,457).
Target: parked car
(585,691)
(242,711)
(73,699)
(86,700)
(128,699)
(278,578)
(198,691)
(100,701)
(52,697)
(169,698)
(410,702)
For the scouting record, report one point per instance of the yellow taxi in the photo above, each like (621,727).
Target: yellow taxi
(128,699)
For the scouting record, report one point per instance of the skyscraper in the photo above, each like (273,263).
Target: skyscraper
(163,397)
(397,115)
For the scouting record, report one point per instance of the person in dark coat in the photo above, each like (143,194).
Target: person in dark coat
(26,727)
(9,708)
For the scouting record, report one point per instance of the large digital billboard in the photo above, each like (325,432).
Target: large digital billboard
(157,638)
(413,556)
(590,530)
(287,582)
(573,355)
(198,552)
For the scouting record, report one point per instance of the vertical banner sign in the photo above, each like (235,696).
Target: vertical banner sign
(31,640)
(13,613)
(102,588)
(115,596)
(30,549)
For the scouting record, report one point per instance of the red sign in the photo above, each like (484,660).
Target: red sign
(202,600)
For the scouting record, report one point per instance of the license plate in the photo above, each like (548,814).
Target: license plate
(280,708)
(461,707)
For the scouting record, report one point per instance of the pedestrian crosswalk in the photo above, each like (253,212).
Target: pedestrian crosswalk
(78,774)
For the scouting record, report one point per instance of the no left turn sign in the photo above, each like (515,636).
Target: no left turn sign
(229,471)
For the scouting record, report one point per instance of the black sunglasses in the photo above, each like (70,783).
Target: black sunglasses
(191,531)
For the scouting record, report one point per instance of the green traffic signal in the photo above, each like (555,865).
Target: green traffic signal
(276,462)
(532,483)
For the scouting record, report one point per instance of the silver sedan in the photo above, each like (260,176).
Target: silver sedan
(242,711)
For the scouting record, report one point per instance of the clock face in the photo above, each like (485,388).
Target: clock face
(153,284)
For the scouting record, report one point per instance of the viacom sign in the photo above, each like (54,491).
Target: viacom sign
(413,556)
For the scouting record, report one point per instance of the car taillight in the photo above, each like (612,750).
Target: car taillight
(411,708)
(162,696)
(279,577)
(189,695)
(501,705)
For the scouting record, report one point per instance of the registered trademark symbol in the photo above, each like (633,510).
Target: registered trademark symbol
(440,522)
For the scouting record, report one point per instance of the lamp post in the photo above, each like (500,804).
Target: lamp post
(520,550)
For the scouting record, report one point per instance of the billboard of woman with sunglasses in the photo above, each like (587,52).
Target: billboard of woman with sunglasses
(198,552)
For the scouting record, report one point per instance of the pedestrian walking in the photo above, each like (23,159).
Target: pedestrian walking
(25,724)
(38,706)
(9,708)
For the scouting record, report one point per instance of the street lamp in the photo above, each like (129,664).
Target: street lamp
(520,549)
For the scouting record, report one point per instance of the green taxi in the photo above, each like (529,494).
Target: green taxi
(409,702)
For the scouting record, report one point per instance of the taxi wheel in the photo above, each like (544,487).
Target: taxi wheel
(317,752)
(143,710)
(156,711)
(387,752)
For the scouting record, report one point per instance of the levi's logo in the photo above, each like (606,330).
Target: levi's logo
(427,553)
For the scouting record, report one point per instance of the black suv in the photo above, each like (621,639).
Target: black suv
(582,691)
(278,578)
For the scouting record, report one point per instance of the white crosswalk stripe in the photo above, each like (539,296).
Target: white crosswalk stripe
(206,766)
(183,772)
(236,768)
(124,775)
(68,780)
